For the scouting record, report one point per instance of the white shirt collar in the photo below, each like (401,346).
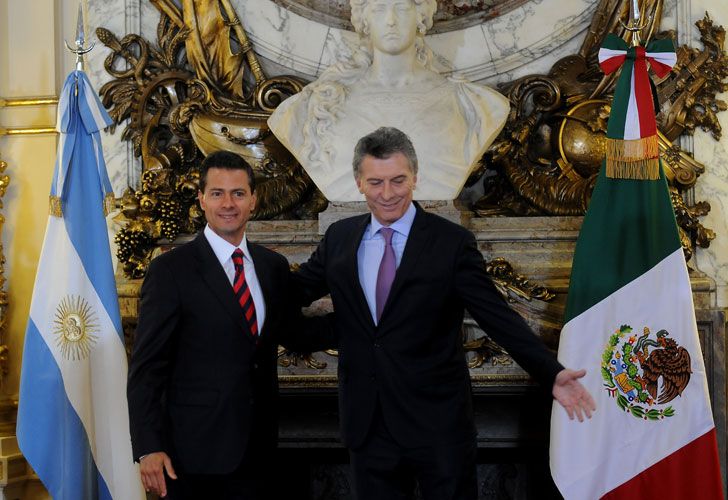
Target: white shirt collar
(401,225)
(224,249)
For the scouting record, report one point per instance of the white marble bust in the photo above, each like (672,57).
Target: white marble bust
(388,81)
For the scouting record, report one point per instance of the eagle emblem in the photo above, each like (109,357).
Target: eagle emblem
(645,372)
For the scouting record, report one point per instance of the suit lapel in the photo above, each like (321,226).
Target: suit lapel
(353,264)
(265,280)
(416,241)
(217,282)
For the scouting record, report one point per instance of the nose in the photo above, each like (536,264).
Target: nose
(389,16)
(386,191)
(227,200)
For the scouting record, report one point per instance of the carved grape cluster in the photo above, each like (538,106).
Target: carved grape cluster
(127,241)
(170,213)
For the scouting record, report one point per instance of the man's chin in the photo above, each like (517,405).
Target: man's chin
(389,215)
(230,232)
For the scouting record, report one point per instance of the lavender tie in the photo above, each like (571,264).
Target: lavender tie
(387,268)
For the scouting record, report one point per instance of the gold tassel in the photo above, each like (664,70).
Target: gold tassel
(54,204)
(109,203)
(633,159)
(647,169)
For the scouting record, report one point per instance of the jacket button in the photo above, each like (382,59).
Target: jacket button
(377,344)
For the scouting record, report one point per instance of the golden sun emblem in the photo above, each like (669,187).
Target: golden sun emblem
(76,327)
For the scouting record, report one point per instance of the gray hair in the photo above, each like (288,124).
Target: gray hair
(383,143)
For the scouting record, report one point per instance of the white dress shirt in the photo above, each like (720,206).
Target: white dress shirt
(224,253)
(371,251)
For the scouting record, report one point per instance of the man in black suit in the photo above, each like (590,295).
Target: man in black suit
(202,380)
(400,279)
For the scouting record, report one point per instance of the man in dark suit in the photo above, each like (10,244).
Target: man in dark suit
(400,279)
(202,380)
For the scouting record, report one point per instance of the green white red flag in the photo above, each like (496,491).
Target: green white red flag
(630,321)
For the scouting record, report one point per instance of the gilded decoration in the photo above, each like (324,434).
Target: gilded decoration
(4,182)
(200,88)
(546,160)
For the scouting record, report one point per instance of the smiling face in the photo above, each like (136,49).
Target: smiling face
(387,184)
(227,202)
(392,25)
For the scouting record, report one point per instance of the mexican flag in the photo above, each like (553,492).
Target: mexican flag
(630,322)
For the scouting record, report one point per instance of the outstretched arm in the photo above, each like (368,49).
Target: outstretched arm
(572,395)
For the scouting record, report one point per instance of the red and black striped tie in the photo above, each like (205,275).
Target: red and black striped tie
(242,292)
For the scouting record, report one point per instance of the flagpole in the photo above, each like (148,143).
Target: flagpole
(79,49)
(635,26)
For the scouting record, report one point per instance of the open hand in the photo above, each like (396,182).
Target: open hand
(573,396)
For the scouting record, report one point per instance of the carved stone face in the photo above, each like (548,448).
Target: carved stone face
(392,25)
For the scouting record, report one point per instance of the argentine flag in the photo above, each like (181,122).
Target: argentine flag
(73,423)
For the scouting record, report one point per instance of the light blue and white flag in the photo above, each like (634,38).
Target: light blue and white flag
(73,422)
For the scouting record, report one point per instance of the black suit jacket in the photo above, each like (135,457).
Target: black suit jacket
(413,363)
(199,385)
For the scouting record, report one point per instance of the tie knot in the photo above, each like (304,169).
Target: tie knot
(238,257)
(387,233)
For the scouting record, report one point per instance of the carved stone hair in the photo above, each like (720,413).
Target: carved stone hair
(327,94)
(383,143)
(425,14)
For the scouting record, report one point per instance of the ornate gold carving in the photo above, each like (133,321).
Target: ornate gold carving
(514,285)
(484,349)
(516,289)
(546,160)
(689,95)
(183,103)
(4,182)
(288,358)
(184,99)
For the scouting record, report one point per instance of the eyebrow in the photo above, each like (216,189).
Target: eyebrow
(399,177)
(221,190)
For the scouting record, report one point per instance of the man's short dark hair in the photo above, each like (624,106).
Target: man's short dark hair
(226,161)
(383,143)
